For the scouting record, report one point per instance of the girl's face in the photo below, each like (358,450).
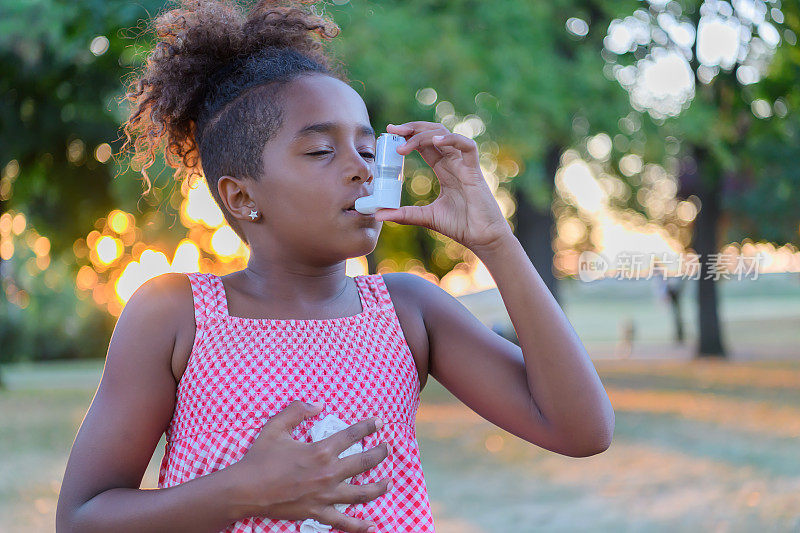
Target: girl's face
(319,161)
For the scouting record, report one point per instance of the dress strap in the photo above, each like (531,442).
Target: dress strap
(374,293)
(209,296)
(217,301)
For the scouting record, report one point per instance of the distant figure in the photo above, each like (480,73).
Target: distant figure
(669,290)
(627,334)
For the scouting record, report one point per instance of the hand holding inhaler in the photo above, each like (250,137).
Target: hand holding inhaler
(465,210)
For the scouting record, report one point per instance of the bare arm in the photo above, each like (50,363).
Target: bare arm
(547,392)
(128,414)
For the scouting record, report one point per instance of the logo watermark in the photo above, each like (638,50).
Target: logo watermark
(647,265)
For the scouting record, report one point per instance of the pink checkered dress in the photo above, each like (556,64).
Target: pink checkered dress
(242,371)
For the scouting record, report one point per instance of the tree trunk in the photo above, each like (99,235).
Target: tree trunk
(535,228)
(705,242)
(675,304)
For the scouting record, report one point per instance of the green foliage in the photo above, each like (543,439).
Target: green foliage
(53,322)
(766,192)
(511,63)
(754,159)
(58,102)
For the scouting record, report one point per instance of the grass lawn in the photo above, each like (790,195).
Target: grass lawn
(698,445)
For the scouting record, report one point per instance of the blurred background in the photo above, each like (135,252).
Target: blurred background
(644,152)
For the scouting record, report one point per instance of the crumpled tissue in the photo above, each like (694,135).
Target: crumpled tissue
(323,429)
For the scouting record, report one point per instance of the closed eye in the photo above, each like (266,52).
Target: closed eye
(365,154)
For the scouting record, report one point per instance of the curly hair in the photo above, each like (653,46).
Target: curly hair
(209,93)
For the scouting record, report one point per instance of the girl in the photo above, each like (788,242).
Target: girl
(230,366)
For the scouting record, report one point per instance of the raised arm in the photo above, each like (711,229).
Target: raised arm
(128,414)
(546,392)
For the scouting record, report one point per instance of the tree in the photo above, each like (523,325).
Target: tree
(60,80)
(715,112)
(60,70)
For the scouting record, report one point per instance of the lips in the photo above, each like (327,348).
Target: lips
(350,208)
(353,212)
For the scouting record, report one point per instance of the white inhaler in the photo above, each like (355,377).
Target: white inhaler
(388,180)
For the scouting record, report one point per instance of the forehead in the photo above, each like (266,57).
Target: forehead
(320,98)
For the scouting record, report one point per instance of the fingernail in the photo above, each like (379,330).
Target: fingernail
(378,423)
(437,138)
(389,487)
(371,529)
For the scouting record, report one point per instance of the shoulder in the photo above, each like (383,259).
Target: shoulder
(415,289)
(442,314)
(164,294)
(166,303)
(405,290)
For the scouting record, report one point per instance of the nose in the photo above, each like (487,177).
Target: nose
(363,169)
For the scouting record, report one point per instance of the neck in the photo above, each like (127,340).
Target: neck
(299,283)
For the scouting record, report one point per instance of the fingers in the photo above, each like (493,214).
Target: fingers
(411,130)
(292,415)
(407,214)
(420,140)
(341,440)
(423,137)
(466,146)
(343,522)
(355,464)
(354,494)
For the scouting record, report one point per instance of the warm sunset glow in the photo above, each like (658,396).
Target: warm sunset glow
(199,206)
(41,246)
(86,278)
(18,224)
(575,179)
(119,221)
(225,243)
(150,265)
(108,249)
(356,266)
(187,257)
(121,262)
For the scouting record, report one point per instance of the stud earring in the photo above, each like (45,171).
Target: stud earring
(253,214)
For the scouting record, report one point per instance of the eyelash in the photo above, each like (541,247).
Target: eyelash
(370,155)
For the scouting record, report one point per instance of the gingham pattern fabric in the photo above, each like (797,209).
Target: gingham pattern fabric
(243,371)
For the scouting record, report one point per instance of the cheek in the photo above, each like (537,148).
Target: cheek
(297,196)
(305,208)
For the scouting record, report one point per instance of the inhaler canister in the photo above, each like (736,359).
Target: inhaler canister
(388,182)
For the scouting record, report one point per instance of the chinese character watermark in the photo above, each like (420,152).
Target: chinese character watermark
(647,265)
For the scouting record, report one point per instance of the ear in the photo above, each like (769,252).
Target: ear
(235,196)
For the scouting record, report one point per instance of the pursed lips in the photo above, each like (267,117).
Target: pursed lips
(352,210)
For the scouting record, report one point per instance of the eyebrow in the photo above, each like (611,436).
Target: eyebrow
(327,127)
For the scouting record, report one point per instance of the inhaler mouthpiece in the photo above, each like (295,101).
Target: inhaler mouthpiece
(388,180)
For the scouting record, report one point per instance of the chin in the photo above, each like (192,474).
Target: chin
(363,246)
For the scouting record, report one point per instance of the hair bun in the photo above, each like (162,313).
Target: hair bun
(197,41)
